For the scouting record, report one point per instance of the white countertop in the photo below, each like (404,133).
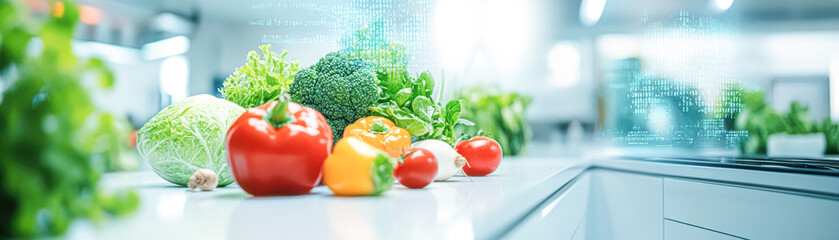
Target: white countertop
(456,209)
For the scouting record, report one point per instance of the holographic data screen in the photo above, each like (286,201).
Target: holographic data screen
(681,91)
(402,22)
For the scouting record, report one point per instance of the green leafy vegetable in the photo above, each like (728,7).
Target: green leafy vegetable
(498,115)
(55,143)
(407,101)
(453,109)
(402,96)
(187,136)
(423,108)
(260,80)
(404,99)
(408,121)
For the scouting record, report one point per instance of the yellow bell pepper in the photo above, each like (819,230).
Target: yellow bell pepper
(381,133)
(356,168)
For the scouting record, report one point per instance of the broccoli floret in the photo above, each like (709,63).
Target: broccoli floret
(339,87)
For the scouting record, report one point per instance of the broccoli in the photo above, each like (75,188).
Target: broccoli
(339,87)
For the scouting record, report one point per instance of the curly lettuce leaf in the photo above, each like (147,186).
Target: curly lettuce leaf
(261,79)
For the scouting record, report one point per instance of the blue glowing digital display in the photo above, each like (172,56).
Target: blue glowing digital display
(681,91)
(383,21)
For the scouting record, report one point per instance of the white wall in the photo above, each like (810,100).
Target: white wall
(219,47)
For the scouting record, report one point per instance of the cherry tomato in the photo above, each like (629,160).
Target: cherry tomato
(416,169)
(482,153)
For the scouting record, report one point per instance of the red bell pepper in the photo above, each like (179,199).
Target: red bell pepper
(278,148)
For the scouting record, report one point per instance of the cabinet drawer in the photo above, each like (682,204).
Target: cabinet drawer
(678,231)
(625,206)
(749,212)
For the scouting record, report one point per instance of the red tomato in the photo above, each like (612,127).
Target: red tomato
(482,153)
(417,169)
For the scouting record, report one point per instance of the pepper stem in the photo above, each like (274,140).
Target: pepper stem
(278,115)
(379,127)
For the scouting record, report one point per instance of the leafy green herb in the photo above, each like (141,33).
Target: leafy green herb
(403,98)
(53,138)
(423,108)
(453,109)
(260,80)
(407,101)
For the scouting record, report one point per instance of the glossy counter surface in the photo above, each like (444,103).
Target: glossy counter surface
(457,209)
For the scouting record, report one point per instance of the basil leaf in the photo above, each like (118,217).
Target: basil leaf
(423,108)
(428,82)
(402,96)
(453,109)
(409,122)
(382,108)
(465,122)
(417,88)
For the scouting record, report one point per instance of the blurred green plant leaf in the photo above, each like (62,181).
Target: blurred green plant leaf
(55,143)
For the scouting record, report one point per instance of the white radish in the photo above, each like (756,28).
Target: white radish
(448,160)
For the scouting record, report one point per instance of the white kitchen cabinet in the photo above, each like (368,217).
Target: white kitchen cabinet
(559,216)
(750,212)
(628,205)
(580,233)
(679,231)
(624,206)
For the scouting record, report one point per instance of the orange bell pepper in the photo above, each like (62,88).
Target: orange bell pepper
(380,133)
(355,169)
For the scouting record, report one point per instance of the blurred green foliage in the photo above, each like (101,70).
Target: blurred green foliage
(498,115)
(831,135)
(729,106)
(760,120)
(54,143)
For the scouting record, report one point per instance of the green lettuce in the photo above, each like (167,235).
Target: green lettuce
(260,80)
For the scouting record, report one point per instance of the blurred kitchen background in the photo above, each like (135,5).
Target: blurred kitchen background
(665,74)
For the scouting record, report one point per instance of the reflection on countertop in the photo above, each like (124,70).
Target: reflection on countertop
(443,210)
